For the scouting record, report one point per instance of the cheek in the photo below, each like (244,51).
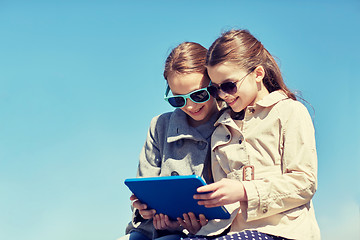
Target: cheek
(211,104)
(246,89)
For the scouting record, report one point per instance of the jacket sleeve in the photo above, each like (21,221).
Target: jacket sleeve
(151,154)
(219,226)
(149,166)
(295,187)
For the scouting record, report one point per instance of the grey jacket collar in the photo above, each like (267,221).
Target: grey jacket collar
(180,129)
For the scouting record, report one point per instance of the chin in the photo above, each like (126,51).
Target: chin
(237,108)
(198,119)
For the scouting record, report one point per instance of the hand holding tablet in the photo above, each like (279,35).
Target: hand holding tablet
(173,196)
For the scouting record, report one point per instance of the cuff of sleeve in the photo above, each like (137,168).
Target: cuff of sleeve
(137,218)
(253,201)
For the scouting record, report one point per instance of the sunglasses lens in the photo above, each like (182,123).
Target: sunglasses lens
(177,101)
(228,87)
(200,96)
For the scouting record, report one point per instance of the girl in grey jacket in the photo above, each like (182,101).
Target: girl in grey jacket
(178,142)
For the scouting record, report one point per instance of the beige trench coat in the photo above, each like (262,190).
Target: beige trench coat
(275,145)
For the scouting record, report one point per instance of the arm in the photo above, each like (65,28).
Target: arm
(150,158)
(297,184)
(224,192)
(280,192)
(149,165)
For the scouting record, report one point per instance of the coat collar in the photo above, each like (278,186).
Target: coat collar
(272,99)
(180,129)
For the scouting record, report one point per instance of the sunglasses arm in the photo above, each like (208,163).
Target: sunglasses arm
(167,91)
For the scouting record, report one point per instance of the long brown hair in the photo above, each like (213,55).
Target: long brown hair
(188,57)
(242,48)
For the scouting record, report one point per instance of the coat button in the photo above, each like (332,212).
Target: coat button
(227,137)
(180,143)
(158,162)
(174,173)
(240,141)
(264,210)
(201,145)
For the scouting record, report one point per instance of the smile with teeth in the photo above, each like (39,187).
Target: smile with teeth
(194,112)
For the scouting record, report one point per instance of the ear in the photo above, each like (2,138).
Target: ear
(259,73)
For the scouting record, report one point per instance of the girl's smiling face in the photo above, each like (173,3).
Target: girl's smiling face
(180,84)
(249,87)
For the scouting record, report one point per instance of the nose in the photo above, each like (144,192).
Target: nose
(190,104)
(222,94)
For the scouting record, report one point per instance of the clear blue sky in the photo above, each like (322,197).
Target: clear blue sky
(81,80)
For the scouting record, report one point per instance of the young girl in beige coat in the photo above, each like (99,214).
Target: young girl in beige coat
(264,158)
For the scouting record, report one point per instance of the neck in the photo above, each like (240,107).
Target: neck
(262,92)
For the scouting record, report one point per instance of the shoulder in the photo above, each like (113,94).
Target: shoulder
(279,105)
(160,122)
(159,126)
(293,112)
(289,106)
(162,118)
(167,118)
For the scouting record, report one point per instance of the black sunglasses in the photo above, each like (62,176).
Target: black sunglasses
(227,87)
(198,96)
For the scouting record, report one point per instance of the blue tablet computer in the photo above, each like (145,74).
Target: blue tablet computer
(173,196)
